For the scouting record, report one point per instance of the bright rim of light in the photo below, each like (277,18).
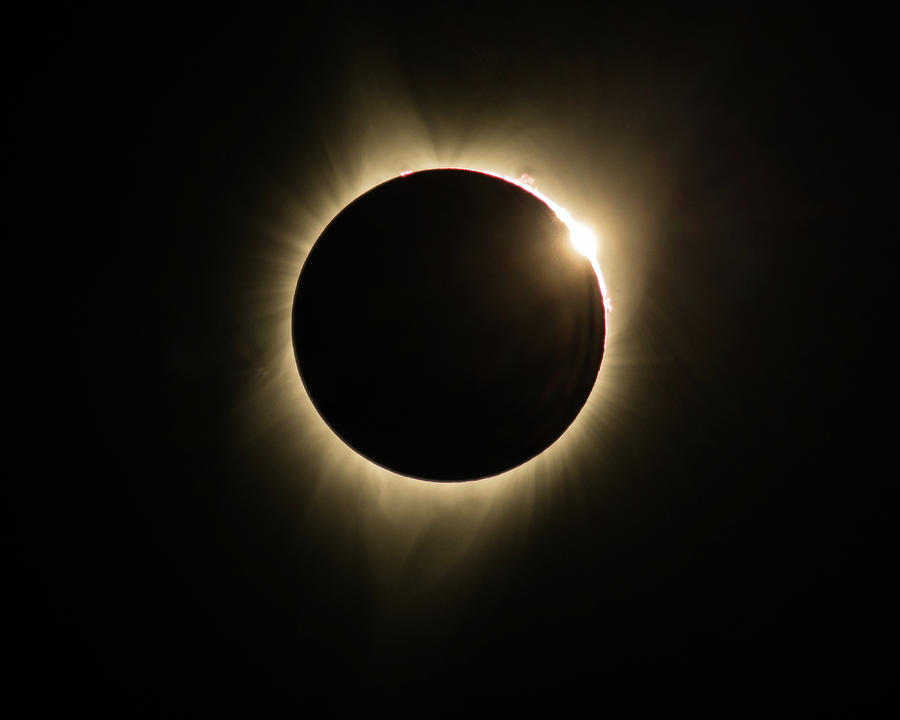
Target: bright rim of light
(584,242)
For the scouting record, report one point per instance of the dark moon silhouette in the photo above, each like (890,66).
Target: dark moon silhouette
(445,327)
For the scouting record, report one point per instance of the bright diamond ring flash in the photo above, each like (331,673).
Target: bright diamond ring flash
(583,240)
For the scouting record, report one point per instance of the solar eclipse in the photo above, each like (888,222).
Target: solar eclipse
(449,324)
(414,488)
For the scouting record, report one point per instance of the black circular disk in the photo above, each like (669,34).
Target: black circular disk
(445,327)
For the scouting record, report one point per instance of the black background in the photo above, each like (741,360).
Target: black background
(729,553)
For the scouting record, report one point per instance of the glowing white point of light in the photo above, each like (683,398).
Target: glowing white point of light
(583,240)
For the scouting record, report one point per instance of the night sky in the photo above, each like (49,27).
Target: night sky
(715,540)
